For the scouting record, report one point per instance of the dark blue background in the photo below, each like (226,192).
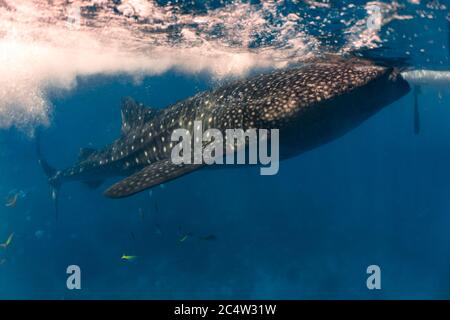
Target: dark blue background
(379,195)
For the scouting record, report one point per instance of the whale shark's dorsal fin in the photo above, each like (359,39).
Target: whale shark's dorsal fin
(152,175)
(134,115)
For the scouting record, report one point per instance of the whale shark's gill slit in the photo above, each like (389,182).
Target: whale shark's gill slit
(152,175)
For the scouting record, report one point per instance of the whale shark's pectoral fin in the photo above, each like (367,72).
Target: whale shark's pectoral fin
(135,115)
(152,175)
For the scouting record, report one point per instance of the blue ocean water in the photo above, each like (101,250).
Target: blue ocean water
(378,195)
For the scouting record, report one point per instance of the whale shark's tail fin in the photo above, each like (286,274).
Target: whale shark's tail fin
(50,172)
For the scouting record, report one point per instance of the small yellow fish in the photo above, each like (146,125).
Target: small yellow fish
(128,258)
(12,201)
(8,241)
(183,238)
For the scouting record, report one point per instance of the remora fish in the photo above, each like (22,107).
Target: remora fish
(128,258)
(8,241)
(310,105)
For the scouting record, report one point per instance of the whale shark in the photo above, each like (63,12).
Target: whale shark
(311,105)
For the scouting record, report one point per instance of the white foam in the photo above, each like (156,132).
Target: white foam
(45,47)
(41,51)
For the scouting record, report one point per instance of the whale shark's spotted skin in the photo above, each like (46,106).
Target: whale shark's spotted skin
(311,105)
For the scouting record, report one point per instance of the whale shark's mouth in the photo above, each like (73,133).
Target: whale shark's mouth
(141,37)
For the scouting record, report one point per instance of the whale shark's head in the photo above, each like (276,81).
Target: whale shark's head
(324,91)
(319,101)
